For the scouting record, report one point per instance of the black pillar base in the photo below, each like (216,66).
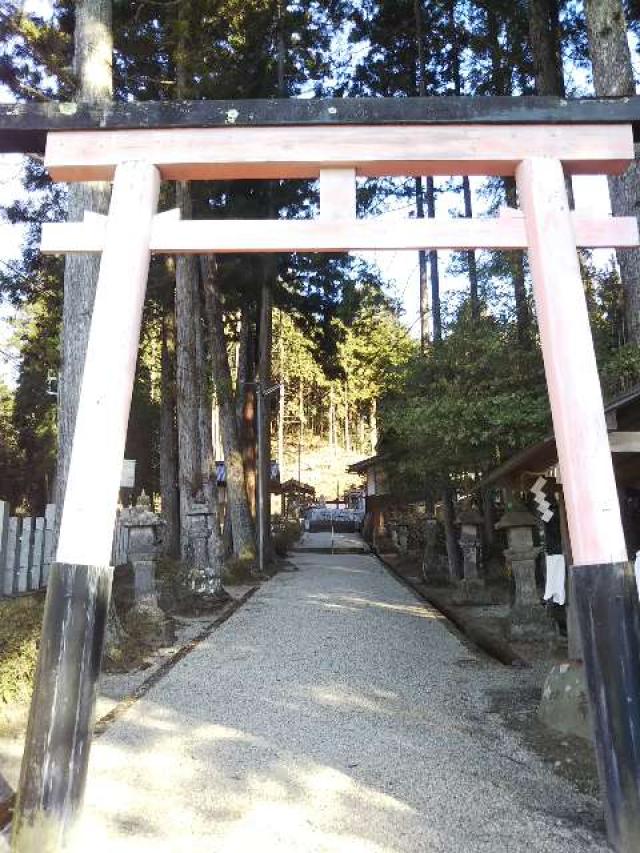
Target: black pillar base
(54,765)
(606,601)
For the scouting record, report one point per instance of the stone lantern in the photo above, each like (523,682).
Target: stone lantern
(529,621)
(432,568)
(145,536)
(205,562)
(145,622)
(403,536)
(471,585)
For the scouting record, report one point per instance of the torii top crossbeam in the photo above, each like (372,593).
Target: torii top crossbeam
(335,140)
(24,127)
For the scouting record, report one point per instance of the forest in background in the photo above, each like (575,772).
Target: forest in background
(445,410)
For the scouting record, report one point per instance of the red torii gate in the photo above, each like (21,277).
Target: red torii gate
(136,156)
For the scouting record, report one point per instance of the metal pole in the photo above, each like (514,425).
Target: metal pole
(606,597)
(54,764)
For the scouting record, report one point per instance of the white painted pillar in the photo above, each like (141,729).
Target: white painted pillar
(593,511)
(89,511)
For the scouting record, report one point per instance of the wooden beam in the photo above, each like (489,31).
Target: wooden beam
(300,152)
(338,193)
(24,127)
(199,236)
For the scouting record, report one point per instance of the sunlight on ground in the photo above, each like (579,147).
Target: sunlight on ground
(355,603)
(152,793)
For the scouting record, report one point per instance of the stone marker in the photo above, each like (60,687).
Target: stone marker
(529,620)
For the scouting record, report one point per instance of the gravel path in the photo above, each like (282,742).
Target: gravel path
(333,712)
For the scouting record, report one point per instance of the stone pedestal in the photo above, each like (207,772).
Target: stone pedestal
(471,588)
(529,620)
(145,622)
(433,568)
(403,538)
(564,705)
(205,563)
(145,536)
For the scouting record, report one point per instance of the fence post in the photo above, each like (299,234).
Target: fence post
(26,537)
(37,554)
(11,559)
(4,530)
(49,517)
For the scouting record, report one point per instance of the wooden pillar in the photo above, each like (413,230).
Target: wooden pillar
(593,512)
(606,598)
(54,764)
(88,514)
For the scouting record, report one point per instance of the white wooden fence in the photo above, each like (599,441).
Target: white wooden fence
(26,550)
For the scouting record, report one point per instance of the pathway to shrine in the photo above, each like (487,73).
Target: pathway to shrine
(333,712)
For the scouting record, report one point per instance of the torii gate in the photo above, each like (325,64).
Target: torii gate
(539,140)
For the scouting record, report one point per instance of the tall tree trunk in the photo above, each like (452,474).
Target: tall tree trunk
(455,52)
(93,48)
(613,76)
(208,476)
(265,343)
(516,262)
(501,85)
(187,389)
(423,266)
(432,257)
(243,371)
(205,430)
(544,35)
(374,425)
(332,420)
(451,539)
(282,400)
(471,255)
(248,408)
(169,438)
(188,318)
(347,429)
(436,317)
(237,505)
(301,417)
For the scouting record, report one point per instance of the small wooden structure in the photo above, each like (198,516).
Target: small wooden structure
(295,496)
(138,146)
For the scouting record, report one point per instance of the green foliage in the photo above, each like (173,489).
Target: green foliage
(465,406)
(373,350)
(286,534)
(10,455)
(239,571)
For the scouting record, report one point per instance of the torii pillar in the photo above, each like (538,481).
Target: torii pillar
(603,579)
(54,765)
